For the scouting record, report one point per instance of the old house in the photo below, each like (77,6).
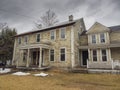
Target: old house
(69,45)
(56,46)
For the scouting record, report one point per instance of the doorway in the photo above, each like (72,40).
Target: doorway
(84,58)
(35,58)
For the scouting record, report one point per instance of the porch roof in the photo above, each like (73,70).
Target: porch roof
(30,46)
(100,46)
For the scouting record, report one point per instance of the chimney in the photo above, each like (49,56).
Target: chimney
(71,18)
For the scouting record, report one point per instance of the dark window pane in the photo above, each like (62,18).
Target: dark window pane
(38,37)
(94,55)
(51,55)
(104,55)
(62,57)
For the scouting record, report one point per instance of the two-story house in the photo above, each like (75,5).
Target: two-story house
(56,46)
(100,47)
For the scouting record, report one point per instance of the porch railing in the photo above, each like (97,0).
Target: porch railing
(115,64)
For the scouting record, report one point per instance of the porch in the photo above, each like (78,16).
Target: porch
(33,56)
(112,57)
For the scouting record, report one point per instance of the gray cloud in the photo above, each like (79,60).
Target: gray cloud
(22,13)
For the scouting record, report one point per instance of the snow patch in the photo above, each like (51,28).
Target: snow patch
(41,74)
(21,74)
(6,70)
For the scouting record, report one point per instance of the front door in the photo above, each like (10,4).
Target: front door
(84,57)
(35,60)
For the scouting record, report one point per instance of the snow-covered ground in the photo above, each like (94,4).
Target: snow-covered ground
(21,74)
(6,70)
(41,74)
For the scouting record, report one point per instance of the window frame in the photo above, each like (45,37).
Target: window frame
(64,28)
(63,53)
(92,40)
(51,54)
(19,40)
(54,34)
(94,56)
(101,38)
(102,55)
(25,39)
(37,37)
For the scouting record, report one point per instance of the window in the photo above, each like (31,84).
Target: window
(19,40)
(62,54)
(62,35)
(94,55)
(38,38)
(102,38)
(26,39)
(104,55)
(52,35)
(93,39)
(51,55)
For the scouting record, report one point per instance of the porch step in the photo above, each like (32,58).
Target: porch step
(79,70)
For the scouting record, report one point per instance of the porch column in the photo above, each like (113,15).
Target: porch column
(28,55)
(40,57)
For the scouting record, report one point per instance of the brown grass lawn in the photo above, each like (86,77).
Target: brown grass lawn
(61,81)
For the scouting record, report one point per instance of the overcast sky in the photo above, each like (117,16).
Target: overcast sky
(22,14)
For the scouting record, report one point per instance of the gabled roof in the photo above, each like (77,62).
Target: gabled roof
(63,24)
(97,28)
(114,28)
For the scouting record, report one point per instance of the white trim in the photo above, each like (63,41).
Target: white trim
(54,35)
(50,54)
(13,59)
(72,46)
(60,33)
(65,54)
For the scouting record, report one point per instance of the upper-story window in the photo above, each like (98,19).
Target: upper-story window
(94,55)
(38,37)
(19,40)
(26,39)
(52,35)
(62,33)
(102,38)
(93,39)
(104,55)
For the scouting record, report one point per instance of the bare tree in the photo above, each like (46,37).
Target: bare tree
(48,19)
(3,25)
